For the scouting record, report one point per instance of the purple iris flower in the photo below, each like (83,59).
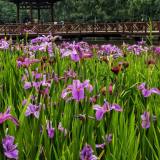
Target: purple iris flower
(25,62)
(33,110)
(24,102)
(116,107)
(43,46)
(76,51)
(50,50)
(7,116)
(137,49)
(62,129)
(147,92)
(41,39)
(36,85)
(70,74)
(141,43)
(145,120)
(107,140)
(37,75)
(50,129)
(75,56)
(100,145)
(157,50)
(87,153)
(72,53)
(65,52)
(141,86)
(4,44)
(77,90)
(155,90)
(108,50)
(87,85)
(27,85)
(101,110)
(10,149)
(66,92)
(33,48)
(45,82)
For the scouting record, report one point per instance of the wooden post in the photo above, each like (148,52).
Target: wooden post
(52,14)
(17,12)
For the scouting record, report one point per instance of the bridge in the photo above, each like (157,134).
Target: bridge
(122,29)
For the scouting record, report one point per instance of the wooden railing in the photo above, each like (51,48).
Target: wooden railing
(81,28)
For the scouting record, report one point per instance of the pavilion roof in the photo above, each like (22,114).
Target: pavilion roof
(36,2)
(25,4)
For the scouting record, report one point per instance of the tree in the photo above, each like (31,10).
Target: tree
(91,11)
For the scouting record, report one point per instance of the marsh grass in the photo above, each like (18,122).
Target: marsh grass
(130,141)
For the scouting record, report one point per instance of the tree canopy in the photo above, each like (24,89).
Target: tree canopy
(90,11)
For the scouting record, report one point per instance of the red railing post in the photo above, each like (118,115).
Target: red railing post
(123,27)
(158,24)
(106,26)
(146,25)
(5,29)
(80,26)
(117,29)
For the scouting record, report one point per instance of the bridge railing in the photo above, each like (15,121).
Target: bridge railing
(79,28)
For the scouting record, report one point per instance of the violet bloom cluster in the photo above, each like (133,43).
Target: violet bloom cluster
(43,47)
(50,129)
(33,110)
(40,39)
(157,50)
(137,49)
(87,153)
(145,120)
(147,92)
(70,74)
(67,74)
(76,90)
(37,84)
(109,49)
(42,44)
(7,116)
(4,45)
(101,110)
(76,51)
(10,149)
(36,75)
(26,62)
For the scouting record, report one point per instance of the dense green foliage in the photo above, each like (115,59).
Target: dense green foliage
(130,140)
(91,10)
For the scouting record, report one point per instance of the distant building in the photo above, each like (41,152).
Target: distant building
(34,5)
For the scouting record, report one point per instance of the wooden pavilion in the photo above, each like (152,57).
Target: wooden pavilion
(34,5)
